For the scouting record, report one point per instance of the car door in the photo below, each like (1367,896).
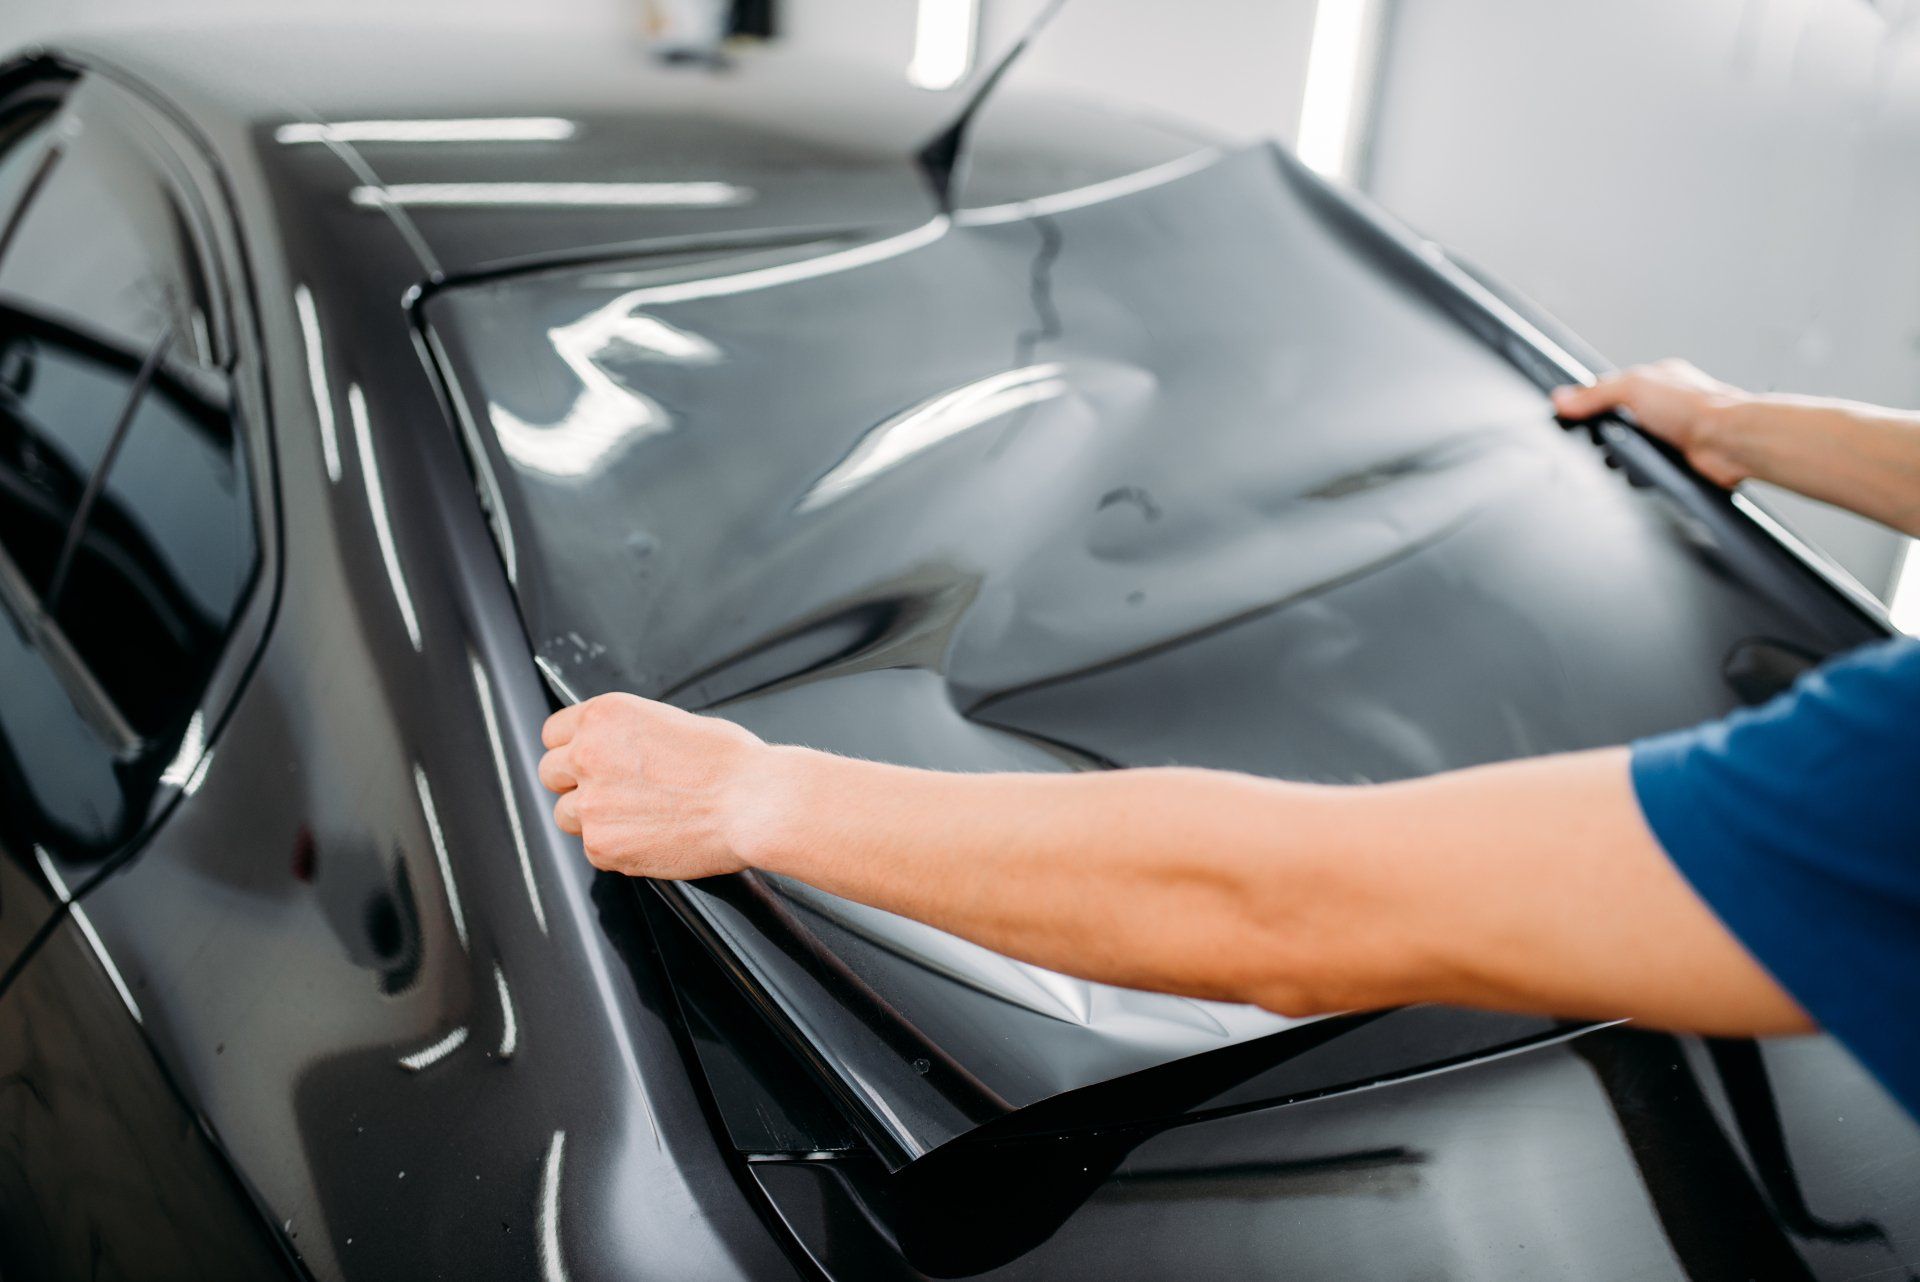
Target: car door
(128,548)
(127,521)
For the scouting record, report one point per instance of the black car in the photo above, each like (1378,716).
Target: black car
(361,399)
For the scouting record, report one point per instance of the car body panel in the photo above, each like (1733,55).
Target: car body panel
(1613,1154)
(293,911)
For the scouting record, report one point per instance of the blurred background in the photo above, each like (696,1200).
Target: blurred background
(1728,180)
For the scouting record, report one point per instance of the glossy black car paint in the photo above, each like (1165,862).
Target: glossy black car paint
(380,1020)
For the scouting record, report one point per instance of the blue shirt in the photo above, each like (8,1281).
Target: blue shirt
(1798,822)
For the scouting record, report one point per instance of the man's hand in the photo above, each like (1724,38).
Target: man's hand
(650,790)
(1675,402)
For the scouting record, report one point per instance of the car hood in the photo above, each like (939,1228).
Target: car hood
(1176,468)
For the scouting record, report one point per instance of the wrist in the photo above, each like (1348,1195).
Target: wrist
(773,804)
(1717,423)
(1720,440)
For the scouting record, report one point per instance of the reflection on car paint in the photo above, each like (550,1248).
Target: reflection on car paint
(555,195)
(483,690)
(931,422)
(382,519)
(607,413)
(509,1023)
(491,502)
(553,1264)
(317,379)
(428,1056)
(457,130)
(179,772)
(439,839)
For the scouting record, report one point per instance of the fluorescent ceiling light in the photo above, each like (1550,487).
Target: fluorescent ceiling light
(1341,62)
(1905,603)
(686,195)
(492,129)
(943,43)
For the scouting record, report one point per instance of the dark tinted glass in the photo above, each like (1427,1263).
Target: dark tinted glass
(104,248)
(23,142)
(166,552)
(125,512)
(59,398)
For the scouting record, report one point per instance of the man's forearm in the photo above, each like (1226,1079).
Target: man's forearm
(1859,457)
(1525,886)
(1528,886)
(1199,882)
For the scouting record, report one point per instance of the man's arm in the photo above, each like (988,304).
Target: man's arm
(1530,886)
(1860,457)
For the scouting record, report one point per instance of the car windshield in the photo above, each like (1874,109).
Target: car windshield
(1178,468)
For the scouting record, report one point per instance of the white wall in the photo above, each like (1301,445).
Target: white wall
(1734,181)
(22,20)
(1139,54)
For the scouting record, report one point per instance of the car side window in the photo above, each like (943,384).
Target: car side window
(105,247)
(24,135)
(127,535)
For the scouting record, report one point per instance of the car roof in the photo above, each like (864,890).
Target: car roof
(549,143)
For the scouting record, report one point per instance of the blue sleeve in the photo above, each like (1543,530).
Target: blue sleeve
(1798,823)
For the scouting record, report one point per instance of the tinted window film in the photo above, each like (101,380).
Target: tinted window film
(60,395)
(23,143)
(105,248)
(163,557)
(1179,470)
(125,509)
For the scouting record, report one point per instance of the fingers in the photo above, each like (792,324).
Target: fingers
(1578,402)
(566,813)
(562,725)
(556,770)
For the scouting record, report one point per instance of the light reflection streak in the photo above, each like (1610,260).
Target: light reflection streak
(472,129)
(180,770)
(934,421)
(555,195)
(484,688)
(1093,194)
(1576,371)
(51,873)
(828,264)
(553,1267)
(317,380)
(431,1055)
(554,679)
(199,775)
(509,1025)
(482,461)
(377,504)
(606,414)
(1818,562)
(440,853)
(80,919)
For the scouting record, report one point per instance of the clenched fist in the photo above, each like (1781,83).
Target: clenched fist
(650,790)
